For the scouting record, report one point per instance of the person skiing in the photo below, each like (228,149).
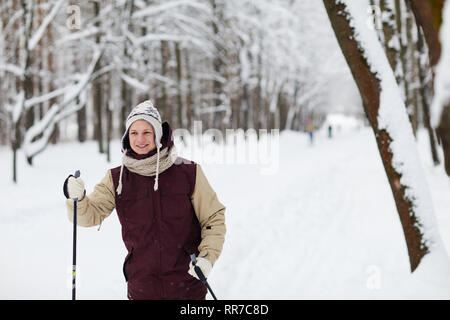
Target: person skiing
(310,129)
(166,207)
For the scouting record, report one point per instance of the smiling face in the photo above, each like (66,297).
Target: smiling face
(142,137)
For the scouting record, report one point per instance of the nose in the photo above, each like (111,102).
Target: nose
(140,139)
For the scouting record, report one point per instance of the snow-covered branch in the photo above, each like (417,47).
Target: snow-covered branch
(170,5)
(85,33)
(45,126)
(15,70)
(41,30)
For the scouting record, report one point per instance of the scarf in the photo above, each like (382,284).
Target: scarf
(149,167)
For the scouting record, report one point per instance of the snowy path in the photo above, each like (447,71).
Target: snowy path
(310,235)
(312,230)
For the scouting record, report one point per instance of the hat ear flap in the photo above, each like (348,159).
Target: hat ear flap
(126,142)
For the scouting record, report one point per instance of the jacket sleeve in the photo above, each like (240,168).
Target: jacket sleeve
(211,215)
(94,208)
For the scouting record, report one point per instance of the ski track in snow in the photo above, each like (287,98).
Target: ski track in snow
(324,226)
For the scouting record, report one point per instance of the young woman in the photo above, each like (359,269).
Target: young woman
(165,205)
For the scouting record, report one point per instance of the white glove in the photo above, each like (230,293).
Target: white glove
(75,188)
(204,265)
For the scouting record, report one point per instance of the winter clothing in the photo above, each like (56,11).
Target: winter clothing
(160,227)
(148,167)
(143,111)
(74,188)
(203,264)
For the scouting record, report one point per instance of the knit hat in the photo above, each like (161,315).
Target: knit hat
(144,111)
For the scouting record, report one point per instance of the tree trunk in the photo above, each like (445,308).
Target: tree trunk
(424,96)
(109,111)
(404,81)
(424,17)
(389,32)
(52,70)
(28,76)
(190,94)
(97,91)
(369,87)
(257,102)
(25,85)
(410,76)
(98,107)
(219,52)
(443,133)
(125,92)
(181,111)
(163,104)
(245,107)
(82,121)
(443,123)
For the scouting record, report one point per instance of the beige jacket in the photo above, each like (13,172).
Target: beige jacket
(98,205)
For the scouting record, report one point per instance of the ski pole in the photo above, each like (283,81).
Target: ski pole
(74,258)
(200,274)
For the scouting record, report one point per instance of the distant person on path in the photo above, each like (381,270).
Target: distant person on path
(330,131)
(166,207)
(310,130)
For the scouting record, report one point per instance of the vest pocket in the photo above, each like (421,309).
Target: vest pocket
(134,206)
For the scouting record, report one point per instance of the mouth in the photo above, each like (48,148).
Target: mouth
(144,146)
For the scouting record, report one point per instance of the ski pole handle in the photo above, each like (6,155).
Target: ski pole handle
(76,175)
(193,259)
(197,269)
(201,276)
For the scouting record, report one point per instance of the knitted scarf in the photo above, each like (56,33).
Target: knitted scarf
(149,167)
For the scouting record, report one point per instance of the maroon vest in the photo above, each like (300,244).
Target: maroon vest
(160,230)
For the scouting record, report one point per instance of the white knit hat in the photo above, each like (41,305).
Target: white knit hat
(144,111)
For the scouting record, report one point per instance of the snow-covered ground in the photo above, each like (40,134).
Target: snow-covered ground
(324,225)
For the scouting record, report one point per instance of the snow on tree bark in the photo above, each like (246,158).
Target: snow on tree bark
(387,115)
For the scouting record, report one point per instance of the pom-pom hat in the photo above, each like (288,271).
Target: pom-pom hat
(144,111)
